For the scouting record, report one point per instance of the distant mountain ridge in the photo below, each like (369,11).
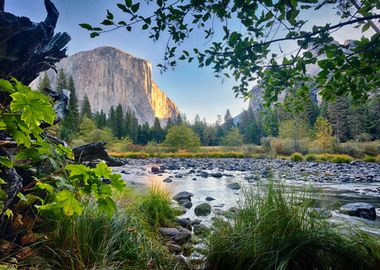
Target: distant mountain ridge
(110,76)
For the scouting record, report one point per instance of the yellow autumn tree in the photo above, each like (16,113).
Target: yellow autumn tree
(324,134)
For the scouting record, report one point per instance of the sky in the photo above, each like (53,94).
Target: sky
(195,90)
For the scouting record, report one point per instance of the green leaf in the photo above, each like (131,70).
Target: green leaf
(109,15)
(66,200)
(102,170)
(6,86)
(107,205)
(94,34)
(5,161)
(117,182)
(107,22)
(145,26)
(135,7)
(233,39)
(45,186)
(86,26)
(77,169)
(2,181)
(34,107)
(128,3)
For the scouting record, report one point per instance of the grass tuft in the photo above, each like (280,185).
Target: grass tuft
(274,231)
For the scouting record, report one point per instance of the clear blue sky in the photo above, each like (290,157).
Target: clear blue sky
(193,89)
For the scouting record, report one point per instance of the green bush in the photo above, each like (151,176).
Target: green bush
(310,157)
(274,231)
(369,158)
(296,157)
(341,159)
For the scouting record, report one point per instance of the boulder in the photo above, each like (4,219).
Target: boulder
(167,180)
(155,169)
(217,174)
(183,195)
(362,210)
(183,236)
(234,186)
(209,199)
(203,209)
(204,174)
(184,222)
(170,232)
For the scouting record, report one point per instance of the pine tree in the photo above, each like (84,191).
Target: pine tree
(111,120)
(144,134)
(43,83)
(119,125)
(134,128)
(100,119)
(61,82)
(338,112)
(86,108)
(70,125)
(374,116)
(228,121)
(73,115)
(157,131)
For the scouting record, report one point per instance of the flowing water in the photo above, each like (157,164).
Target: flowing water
(327,194)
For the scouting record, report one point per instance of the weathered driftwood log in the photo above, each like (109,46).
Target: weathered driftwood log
(28,48)
(93,152)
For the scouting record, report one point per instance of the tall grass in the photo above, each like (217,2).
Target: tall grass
(274,231)
(156,206)
(127,240)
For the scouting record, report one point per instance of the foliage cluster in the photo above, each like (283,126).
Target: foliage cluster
(53,185)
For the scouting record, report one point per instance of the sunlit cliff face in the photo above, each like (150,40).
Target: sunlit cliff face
(109,77)
(162,106)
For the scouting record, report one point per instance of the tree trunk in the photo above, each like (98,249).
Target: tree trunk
(2,5)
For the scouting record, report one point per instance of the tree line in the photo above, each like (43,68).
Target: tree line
(346,120)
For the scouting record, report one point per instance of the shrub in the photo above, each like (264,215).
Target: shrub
(296,157)
(274,231)
(341,159)
(310,157)
(369,158)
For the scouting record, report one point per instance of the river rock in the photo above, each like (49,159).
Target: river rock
(183,195)
(167,180)
(203,209)
(204,174)
(183,236)
(362,210)
(209,199)
(170,232)
(155,169)
(217,174)
(184,222)
(234,186)
(174,248)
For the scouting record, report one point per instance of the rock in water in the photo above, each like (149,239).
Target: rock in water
(203,209)
(362,210)
(234,186)
(109,77)
(183,196)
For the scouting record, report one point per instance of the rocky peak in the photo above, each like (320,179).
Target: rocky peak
(109,76)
